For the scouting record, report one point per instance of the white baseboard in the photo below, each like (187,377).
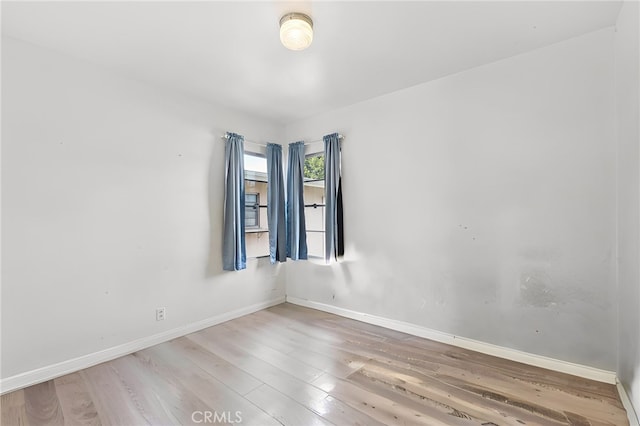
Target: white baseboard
(462,342)
(626,403)
(49,372)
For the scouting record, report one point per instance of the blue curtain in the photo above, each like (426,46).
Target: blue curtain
(275,205)
(334,238)
(234,255)
(296,229)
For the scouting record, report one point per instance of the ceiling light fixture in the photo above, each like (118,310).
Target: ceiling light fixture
(296,31)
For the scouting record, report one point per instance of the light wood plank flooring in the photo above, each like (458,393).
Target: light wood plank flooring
(297,366)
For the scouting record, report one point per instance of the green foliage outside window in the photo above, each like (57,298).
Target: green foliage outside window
(314,167)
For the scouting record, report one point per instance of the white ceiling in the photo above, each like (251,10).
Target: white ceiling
(229,52)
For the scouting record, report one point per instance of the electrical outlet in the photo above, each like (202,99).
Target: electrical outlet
(160,314)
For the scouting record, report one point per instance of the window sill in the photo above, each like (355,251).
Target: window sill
(255,231)
(317,260)
(264,256)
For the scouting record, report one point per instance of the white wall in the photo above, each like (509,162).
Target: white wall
(112,206)
(627,88)
(483,204)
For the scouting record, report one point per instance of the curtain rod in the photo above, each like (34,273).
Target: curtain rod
(226,136)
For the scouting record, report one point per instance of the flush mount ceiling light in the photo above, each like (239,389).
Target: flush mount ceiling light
(296,31)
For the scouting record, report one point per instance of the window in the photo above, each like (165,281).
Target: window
(314,203)
(255,221)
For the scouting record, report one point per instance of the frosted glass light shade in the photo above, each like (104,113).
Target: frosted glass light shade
(296,31)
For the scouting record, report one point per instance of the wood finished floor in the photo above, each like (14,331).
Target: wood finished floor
(297,366)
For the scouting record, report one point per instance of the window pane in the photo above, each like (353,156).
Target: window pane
(314,167)
(314,218)
(255,186)
(257,243)
(255,167)
(314,195)
(315,243)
